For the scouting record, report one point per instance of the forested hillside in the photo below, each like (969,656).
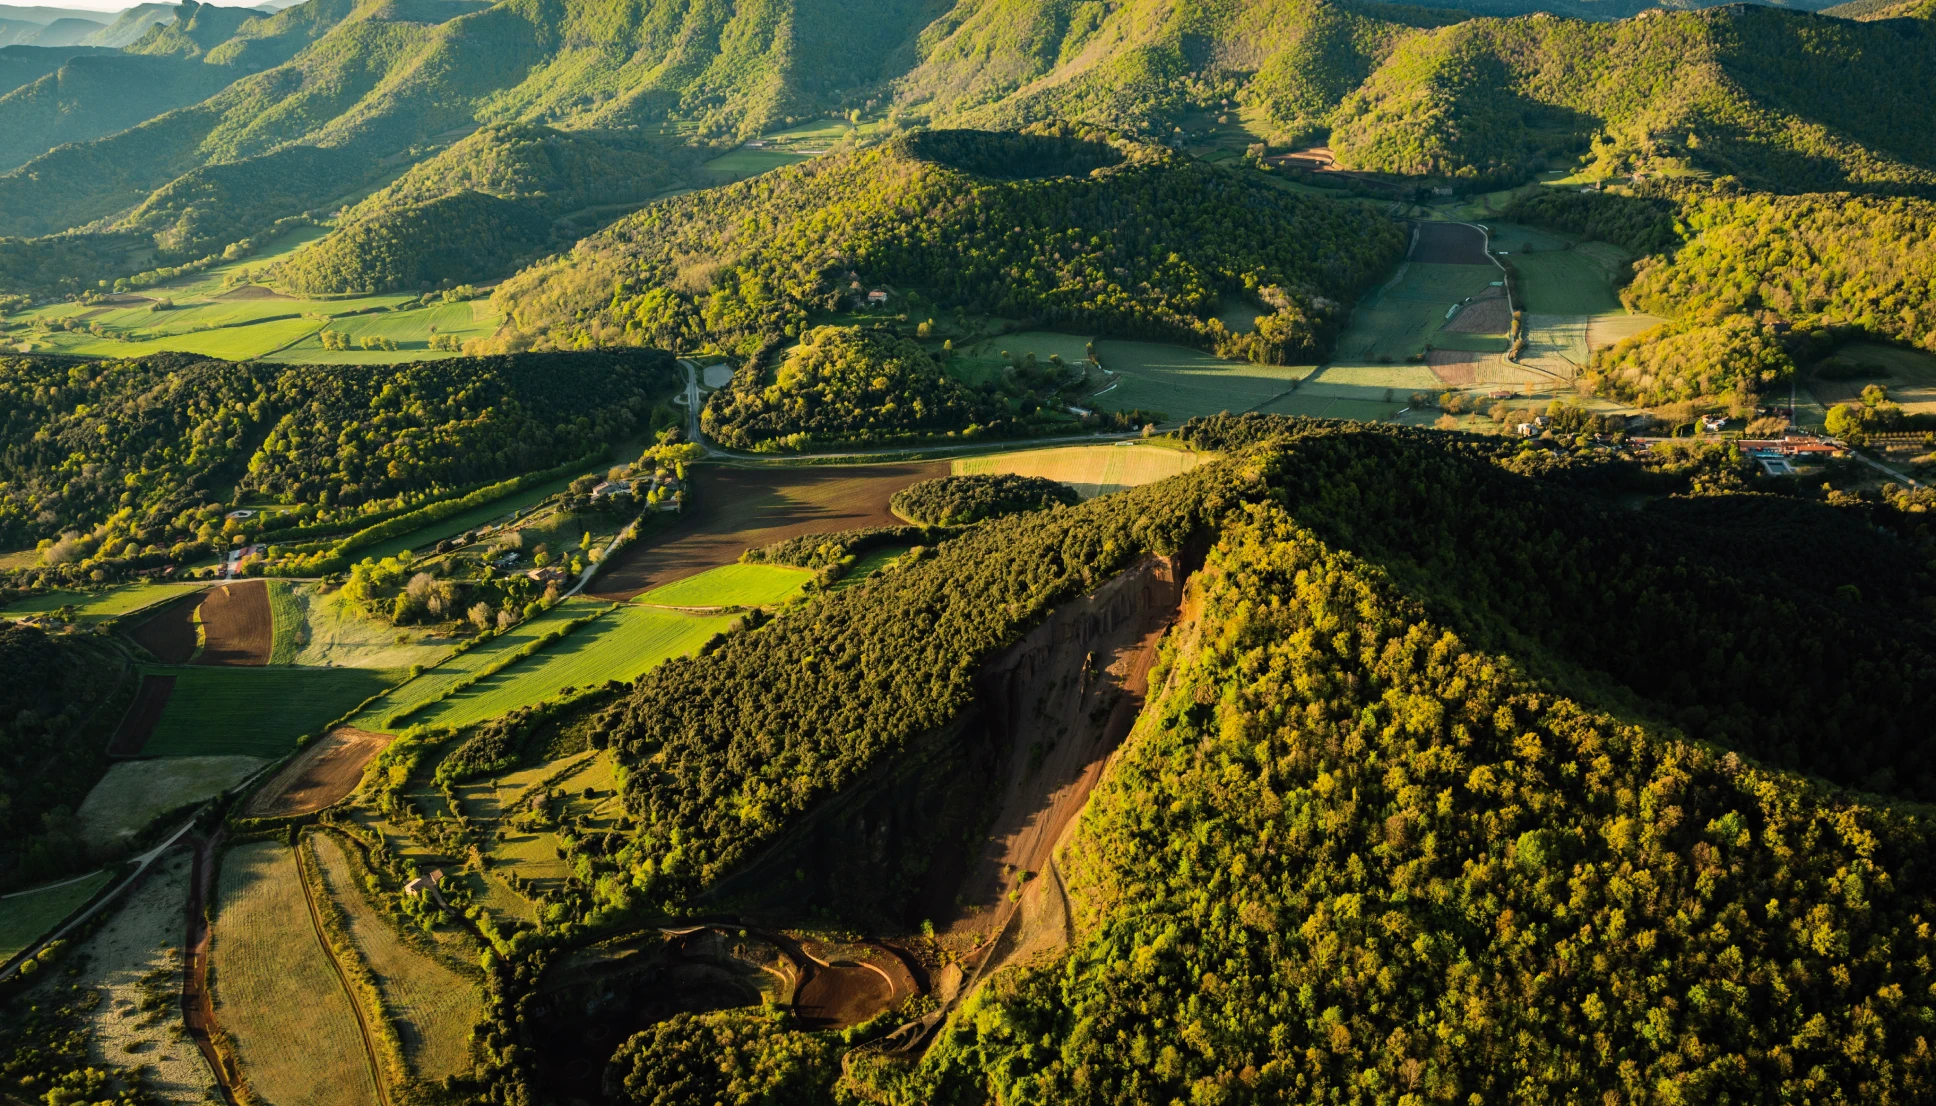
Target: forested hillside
(127,456)
(481,208)
(1758,286)
(58,703)
(1452,763)
(1128,238)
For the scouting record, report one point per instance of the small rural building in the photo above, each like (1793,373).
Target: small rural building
(551,574)
(877,297)
(611,487)
(1714,423)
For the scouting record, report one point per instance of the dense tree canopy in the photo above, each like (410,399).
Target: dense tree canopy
(132,453)
(1144,248)
(57,704)
(960,500)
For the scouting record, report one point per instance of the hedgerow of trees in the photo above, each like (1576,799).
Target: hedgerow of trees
(960,500)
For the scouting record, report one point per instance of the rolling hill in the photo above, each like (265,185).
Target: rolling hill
(1070,229)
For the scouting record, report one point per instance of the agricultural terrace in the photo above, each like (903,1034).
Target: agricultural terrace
(100,606)
(222,312)
(134,793)
(621,645)
(737,508)
(435,683)
(133,965)
(582,787)
(1092,470)
(432,1007)
(731,586)
(276,993)
(496,511)
(27,916)
(255,711)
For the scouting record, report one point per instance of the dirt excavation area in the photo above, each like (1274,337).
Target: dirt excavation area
(1061,701)
(321,777)
(736,509)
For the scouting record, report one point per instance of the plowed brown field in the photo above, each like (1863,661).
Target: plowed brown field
(170,635)
(320,777)
(237,625)
(736,509)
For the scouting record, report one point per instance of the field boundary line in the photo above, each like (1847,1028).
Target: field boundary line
(342,977)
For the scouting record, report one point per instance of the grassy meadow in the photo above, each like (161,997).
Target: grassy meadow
(436,681)
(136,792)
(27,916)
(255,711)
(620,646)
(100,606)
(1092,470)
(731,586)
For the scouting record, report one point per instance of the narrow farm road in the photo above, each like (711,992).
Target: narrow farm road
(377,1080)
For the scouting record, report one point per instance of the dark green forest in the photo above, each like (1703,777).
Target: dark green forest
(961,500)
(122,459)
(59,701)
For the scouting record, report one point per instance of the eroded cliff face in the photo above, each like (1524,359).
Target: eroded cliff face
(954,827)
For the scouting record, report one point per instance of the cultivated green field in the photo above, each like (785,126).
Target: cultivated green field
(28,916)
(1092,470)
(222,313)
(1577,281)
(421,540)
(1396,322)
(731,586)
(461,667)
(1908,374)
(1184,383)
(99,606)
(619,646)
(742,163)
(287,622)
(255,711)
(136,792)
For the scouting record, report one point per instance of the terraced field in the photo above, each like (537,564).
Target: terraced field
(99,606)
(276,993)
(431,1005)
(731,586)
(620,646)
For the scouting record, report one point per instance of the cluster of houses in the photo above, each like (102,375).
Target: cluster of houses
(674,491)
(1777,456)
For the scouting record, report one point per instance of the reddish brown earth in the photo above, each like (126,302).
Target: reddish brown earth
(736,509)
(1450,244)
(198,1010)
(237,625)
(320,777)
(170,634)
(140,720)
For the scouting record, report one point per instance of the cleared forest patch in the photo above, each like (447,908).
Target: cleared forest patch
(276,995)
(432,1006)
(1092,470)
(731,586)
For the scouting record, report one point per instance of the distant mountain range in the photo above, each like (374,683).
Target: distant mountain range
(308,108)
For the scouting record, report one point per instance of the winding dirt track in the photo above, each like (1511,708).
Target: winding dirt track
(198,1010)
